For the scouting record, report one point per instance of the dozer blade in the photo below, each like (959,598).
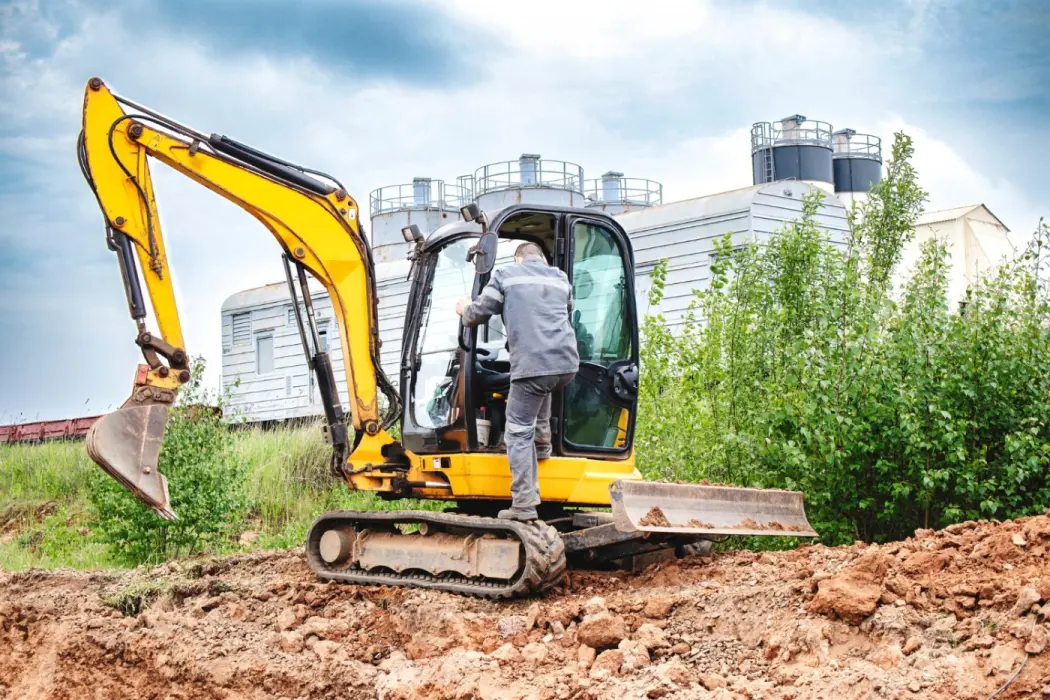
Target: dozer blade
(692,509)
(126,444)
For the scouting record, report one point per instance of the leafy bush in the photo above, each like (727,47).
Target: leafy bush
(206,481)
(800,368)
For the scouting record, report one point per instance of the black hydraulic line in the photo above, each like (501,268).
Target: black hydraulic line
(298,312)
(322,366)
(308,302)
(276,167)
(142,193)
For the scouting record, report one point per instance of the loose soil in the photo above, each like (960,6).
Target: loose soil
(950,614)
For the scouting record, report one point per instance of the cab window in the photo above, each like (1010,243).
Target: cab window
(437,343)
(601,319)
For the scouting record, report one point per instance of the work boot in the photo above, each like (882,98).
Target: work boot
(517,513)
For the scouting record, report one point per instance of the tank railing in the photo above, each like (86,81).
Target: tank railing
(858,146)
(435,194)
(624,190)
(553,174)
(767,135)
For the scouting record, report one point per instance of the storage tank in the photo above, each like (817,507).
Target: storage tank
(530,178)
(425,202)
(857,164)
(794,148)
(615,194)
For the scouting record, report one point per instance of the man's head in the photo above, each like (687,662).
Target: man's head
(528,251)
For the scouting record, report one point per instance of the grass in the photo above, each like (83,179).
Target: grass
(45,517)
(33,474)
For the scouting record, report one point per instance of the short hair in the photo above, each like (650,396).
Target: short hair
(529,250)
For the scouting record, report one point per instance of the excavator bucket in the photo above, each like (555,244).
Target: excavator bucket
(693,509)
(126,444)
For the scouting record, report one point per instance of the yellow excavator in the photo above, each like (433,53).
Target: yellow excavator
(453,380)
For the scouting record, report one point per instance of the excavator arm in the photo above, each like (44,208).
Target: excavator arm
(316,224)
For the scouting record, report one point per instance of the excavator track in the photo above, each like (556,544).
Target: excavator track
(539,564)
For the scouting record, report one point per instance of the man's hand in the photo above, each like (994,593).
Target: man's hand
(462,304)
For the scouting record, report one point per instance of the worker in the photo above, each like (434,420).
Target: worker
(536,303)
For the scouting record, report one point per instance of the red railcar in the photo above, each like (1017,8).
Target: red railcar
(39,431)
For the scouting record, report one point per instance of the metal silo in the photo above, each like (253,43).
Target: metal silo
(857,164)
(530,178)
(615,194)
(425,202)
(794,148)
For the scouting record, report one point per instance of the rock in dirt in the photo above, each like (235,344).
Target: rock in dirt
(606,664)
(1026,598)
(1038,642)
(652,636)
(635,655)
(508,652)
(595,606)
(601,630)
(847,598)
(287,619)
(1004,659)
(912,645)
(325,629)
(531,616)
(658,607)
(512,626)
(585,657)
(328,650)
(534,653)
(887,657)
(291,642)
(713,681)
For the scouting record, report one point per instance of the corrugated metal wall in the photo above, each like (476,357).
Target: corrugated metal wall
(685,232)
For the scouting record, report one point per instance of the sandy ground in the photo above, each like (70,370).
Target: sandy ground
(950,614)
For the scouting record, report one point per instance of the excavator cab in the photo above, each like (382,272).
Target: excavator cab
(455,380)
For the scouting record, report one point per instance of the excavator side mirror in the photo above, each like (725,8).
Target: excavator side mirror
(484,253)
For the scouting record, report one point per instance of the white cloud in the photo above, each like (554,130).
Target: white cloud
(664,92)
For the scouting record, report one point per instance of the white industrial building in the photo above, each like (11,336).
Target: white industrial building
(977,243)
(265,369)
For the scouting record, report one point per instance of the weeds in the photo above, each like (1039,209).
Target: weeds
(137,596)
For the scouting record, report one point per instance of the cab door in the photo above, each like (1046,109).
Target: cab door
(600,406)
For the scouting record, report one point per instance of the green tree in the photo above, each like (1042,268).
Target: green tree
(800,367)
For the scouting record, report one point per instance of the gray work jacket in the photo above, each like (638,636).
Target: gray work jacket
(536,303)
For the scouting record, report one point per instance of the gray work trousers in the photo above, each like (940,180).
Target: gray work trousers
(528,429)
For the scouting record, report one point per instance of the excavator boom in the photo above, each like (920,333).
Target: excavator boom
(315,223)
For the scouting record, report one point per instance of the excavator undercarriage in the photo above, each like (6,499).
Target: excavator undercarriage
(494,558)
(597,510)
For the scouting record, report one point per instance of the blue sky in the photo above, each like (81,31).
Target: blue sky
(379,92)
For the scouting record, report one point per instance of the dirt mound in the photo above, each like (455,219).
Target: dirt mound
(950,614)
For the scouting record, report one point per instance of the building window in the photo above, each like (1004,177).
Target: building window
(291,316)
(242,328)
(264,354)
